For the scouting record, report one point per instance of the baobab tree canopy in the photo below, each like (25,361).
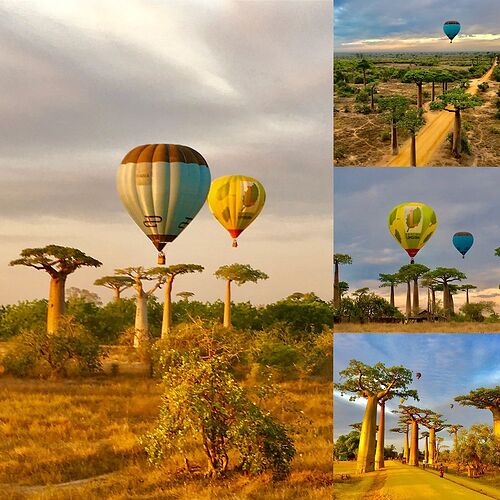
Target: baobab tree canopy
(463,242)
(412,224)
(236,201)
(163,187)
(451,29)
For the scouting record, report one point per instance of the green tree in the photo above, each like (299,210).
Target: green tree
(58,262)
(364,65)
(466,289)
(25,315)
(476,448)
(413,272)
(453,431)
(412,121)
(138,275)
(404,428)
(455,101)
(338,260)
(394,108)
(485,399)
(346,446)
(169,274)
(116,283)
(444,276)
(434,423)
(239,274)
(185,295)
(392,281)
(418,77)
(203,401)
(374,383)
(475,311)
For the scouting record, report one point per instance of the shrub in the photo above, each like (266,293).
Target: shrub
(364,109)
(71,351)
(340,151)
(483,87)
(385,136)
(363,96)
(202,402)
(22,316)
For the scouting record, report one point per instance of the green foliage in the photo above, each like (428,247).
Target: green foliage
(385,135)
(340,151)
(475,311)
(483,87)
(364,109)
(477,447)
(363,96)
(346,446)
(394,107)
(240,274)
(202,402)
(22,316)
(496,75)
(364,308)
(458,98)
(70,351)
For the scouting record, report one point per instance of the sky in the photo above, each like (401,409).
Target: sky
(415,25)
(247,84)
(464,199)
(450,364)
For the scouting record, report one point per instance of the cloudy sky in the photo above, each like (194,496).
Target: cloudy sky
(415,25)
(450,365)
(247,84)
(463,199)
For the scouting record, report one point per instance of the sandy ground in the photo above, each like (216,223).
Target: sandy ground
(430,138)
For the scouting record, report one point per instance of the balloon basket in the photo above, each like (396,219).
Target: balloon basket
(161,259)
(412,261)
(235,244)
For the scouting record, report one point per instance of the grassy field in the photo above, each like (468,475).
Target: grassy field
(57,432)
(438,327)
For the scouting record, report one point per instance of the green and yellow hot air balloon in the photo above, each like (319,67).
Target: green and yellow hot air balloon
(412,224)
(235,201)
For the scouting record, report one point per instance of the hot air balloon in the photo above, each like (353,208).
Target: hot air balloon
(235,201)
(418,375)
(451,29)
(463,242)
(451,406)
(163,187)
(412,224)
(401,400)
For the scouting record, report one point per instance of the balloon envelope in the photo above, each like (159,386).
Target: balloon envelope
(451,29)
(235,201)
(163,187)
(412,224)
(418,374)
(463,242)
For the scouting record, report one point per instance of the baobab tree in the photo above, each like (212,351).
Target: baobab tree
(413,272)
(425,435)
(169,274)
(116,283)
(405,276)
(431,286)
(465,288)
(390,280)
(363,65)
(412,121)
(434,423)
(416,417)
(455,101)
(497,252)
(374,383)
(485,399)
(453,430)
(239,274)
(338,260)
(138,275)
(58,262)
(394,108)
(185,295)
(418,77)
(403,428)
(444,276)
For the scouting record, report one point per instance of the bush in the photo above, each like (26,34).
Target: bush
(363,96)
(71,351)
(22,316)
(385,136)
(483,87)
(340,151)
(203,403)
(364,109)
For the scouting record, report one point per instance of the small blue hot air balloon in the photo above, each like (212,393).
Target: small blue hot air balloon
(463,242)
(451,29)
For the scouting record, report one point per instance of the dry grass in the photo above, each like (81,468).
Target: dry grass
(56,432)
(438,327)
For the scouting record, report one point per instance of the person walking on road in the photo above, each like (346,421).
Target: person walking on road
(441,471)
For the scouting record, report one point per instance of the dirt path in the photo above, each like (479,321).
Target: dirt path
(404,482)
(434,132)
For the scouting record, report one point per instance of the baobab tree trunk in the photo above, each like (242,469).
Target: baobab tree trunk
(366,450)
(336,287)
(420,100)
(408,300)
(446,298)
(364,77)
(496,422)
(432,446)
(141,320)
(433,294)
(56,302)
(467,296)
(406,454)
(166,324)
(394,137)
(451,304)
(416,301)
(455,440)
(373,99)
(457,132)
(227,305)
(444,87)
(392,296)
(379,453)
(413,150)
(116,295)
(433,91)
(414,444)
(426,450)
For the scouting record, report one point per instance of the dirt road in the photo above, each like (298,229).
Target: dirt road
(439,123)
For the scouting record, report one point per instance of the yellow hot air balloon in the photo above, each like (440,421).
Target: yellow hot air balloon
(412,224)
(235,201)
(163,187)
